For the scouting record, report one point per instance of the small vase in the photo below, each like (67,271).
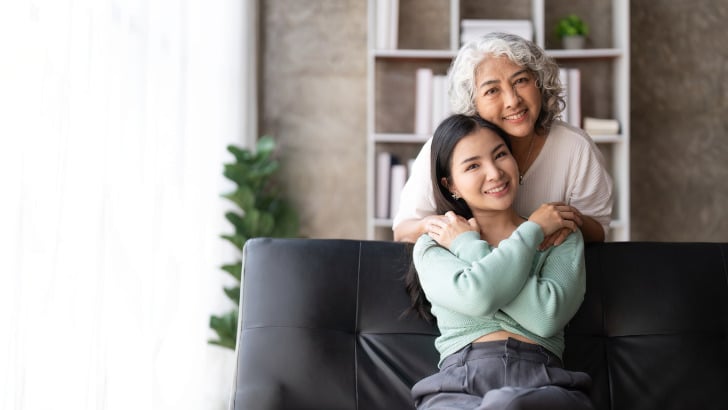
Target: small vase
(573,42)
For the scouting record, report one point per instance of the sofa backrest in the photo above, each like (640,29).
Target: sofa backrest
(321,326)
(653,328)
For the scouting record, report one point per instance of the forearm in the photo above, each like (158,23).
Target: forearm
(409,230)
(550,298)
(592,230)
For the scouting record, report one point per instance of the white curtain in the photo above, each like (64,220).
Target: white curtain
(114,118)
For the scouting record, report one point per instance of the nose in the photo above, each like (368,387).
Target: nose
(492,171)
(512,97)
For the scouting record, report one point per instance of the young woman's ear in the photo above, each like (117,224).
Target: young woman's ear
(443,182)
(453,192)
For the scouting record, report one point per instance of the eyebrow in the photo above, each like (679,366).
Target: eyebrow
(474,157)
(516,74)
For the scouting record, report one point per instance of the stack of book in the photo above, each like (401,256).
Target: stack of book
(473,29)
(601,126)
(391,177)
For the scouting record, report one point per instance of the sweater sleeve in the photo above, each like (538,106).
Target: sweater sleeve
(476,286)
(551,297)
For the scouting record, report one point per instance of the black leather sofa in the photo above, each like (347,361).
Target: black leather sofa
(321,326)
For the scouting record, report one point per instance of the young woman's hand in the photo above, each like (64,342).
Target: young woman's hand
(556,219)
(446,228)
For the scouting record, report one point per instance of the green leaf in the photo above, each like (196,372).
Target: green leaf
(250,223)
(571,25)
(234,269)
(237,221)
(287,222)
(233,293)
(243,197)
(237,240)
(263,170)
(238,173)
(226,327)
(266,224)
(241,154)
(266,144)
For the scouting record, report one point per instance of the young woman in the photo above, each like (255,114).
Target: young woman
(512,83)
(501,304)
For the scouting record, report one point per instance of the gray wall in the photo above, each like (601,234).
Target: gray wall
(313,91)
(679,101)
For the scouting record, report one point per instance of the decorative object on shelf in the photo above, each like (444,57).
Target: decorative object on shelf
(262,213)
(573,31)
(601,126)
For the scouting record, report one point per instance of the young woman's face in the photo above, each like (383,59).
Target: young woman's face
(506,95)
(483,172)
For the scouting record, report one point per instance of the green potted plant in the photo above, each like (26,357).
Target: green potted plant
(572,31)
(262,212)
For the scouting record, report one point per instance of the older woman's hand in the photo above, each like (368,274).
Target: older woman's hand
(567,213)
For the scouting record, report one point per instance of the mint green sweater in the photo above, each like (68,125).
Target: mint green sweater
(476,289)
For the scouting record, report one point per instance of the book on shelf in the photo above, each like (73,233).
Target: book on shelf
(601,126)
(440,102)
(571,81)
(431,101)
(391,176)
(574,93)
(471,29)
(384,170)
(399,178)
(387,24)
(564,78)
(423,100)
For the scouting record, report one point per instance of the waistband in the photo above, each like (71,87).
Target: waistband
(503,348)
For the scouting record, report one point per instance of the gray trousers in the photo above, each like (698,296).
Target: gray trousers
(507,374)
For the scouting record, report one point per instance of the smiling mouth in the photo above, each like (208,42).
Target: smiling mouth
(497,189)
(516,116)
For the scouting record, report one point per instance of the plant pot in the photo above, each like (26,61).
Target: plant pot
(572,42)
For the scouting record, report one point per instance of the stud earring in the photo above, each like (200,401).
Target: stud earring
(455,197)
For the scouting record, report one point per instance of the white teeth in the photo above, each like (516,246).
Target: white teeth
(496,190)
(516,116)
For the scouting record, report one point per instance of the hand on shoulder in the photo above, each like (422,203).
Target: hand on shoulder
(446,228)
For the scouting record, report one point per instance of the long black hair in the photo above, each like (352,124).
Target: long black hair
(446,137)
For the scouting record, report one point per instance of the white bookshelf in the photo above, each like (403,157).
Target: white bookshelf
(398,62)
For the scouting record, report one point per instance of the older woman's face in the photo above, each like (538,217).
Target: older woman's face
(506,95)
